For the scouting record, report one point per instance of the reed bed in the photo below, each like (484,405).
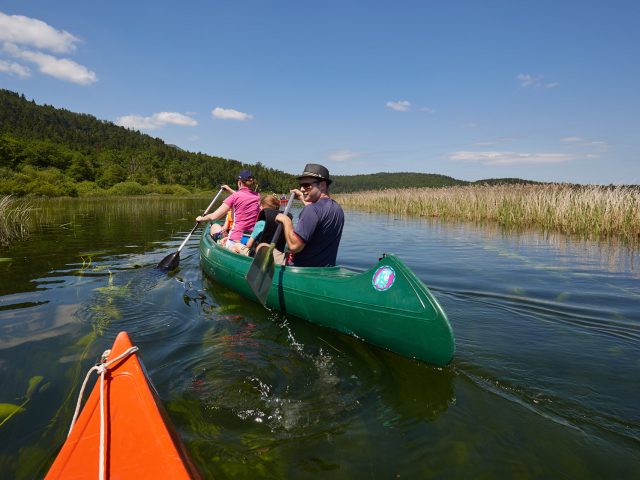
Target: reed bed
(56,210)
(15,216)
(593,211)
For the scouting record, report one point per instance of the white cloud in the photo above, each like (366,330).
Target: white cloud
(584,142)
(18,32)
(510,158)
(137,122)
(342,155)
(163,118)
(230,114)
(60,68)
(399,106)
(155,121)
(14,69)
(528,80)
(23,30)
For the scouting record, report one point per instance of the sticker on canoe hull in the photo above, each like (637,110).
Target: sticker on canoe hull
(383,278)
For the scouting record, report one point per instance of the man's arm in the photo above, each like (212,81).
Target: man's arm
(294,242)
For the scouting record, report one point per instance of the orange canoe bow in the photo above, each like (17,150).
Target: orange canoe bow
(139,440)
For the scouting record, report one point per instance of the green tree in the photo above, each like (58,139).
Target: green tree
(111,175)
(81,168)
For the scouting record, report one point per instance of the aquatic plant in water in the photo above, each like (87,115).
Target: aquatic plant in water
(8,410)
(15,216)
(105,310)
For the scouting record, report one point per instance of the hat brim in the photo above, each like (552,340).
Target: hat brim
(315,175)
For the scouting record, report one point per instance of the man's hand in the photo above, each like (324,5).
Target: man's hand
(294,242)
(298,194)
(282,218)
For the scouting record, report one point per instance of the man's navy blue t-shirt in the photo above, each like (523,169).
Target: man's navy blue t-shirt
(320,227)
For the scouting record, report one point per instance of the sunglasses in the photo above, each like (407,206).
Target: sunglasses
(308,185)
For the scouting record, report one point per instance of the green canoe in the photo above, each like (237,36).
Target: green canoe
(386,305)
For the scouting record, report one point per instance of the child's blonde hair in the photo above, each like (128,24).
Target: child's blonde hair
(270,201)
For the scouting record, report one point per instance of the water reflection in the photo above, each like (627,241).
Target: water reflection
(379,233)
(417,401)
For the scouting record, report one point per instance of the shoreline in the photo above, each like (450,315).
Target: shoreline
(593,211)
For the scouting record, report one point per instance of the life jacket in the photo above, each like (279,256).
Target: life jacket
(270,226)
(229,221)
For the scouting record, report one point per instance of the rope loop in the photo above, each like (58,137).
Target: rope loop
(101,369)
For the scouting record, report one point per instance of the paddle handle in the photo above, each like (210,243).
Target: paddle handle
(198,223)
(276,235)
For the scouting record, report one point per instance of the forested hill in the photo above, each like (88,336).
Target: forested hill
(50,151)
(379,181)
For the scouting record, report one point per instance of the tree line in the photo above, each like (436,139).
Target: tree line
(54,152)
(50,151)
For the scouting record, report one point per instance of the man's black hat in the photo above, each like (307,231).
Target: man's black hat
(316,171)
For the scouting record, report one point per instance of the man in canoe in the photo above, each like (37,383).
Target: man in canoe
(315,239)
(246,206)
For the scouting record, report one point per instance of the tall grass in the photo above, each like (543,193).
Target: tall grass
(593,211)
(15,217)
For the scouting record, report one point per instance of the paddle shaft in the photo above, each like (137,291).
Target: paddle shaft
(198,223)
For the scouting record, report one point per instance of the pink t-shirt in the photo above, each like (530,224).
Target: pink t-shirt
(246,207)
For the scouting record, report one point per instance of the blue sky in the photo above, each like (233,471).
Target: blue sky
(545,90)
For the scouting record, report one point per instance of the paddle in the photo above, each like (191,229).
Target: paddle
(172,260)
(260,274)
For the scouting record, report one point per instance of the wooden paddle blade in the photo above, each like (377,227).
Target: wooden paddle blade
(170,262)
(260,274)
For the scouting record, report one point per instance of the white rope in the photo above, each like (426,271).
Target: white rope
(101,369)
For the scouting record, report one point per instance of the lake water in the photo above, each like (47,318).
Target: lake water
(545,382)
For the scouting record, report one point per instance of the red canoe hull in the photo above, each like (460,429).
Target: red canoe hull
(140,441)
